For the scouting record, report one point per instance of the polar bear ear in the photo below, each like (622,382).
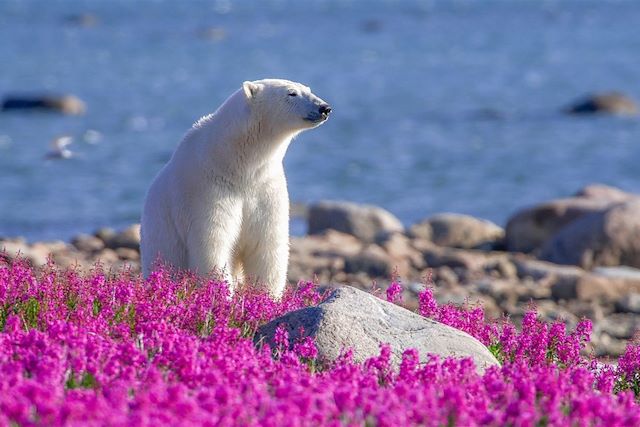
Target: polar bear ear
(250,89)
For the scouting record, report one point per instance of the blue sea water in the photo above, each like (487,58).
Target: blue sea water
(438,105)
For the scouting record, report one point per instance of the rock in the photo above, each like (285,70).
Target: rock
(590,309)
(321,255)
(512,292)
(537,270)
(353,319)
(529,229)
(452,296)
(595,287)
(399,247)
(619,325)
(629,303)
(421,230)
(371,26)
(622,272)
(45,249)
(604,192)
(65,261)
(105,234)
(70,258)
(551,312)
(459,231)
(215,34)
(500,290)
(128,254)
(87,243)
(609,346)
(85,20)
(17,240)
(373,261)
(502,267)
(445,277)
(308,267)
(331,243)
(127,238)
(491,308)
(16,248)
(66,104)
(362,221)
(532,291)
(107,257)
(607,238)
(437,256)
(562,280)
(612,103)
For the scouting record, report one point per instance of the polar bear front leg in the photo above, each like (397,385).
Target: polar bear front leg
(267,260)
(211,240)
(267,264)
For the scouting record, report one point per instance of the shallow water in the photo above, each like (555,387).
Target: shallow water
(438,106)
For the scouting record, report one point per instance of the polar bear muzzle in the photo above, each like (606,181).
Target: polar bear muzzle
(321,115)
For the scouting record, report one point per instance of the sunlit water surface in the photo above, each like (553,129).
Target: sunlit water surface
(438,106)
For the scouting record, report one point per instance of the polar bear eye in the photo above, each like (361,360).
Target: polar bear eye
(293,94)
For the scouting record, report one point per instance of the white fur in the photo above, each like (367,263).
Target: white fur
(221,202)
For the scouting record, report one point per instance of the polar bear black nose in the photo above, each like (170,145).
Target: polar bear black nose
(325,109)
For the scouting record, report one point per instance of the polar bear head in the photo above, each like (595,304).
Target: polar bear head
(285,106)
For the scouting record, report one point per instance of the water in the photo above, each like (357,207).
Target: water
(438,106)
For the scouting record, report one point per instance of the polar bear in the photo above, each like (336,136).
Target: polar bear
(221,202)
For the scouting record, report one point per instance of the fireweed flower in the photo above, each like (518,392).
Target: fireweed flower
(394,292)
(111,348)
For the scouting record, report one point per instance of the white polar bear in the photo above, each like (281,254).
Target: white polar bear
(221,202)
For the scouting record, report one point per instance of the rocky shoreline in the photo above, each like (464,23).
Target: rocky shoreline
(573,257)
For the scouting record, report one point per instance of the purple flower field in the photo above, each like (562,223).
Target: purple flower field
(96,349)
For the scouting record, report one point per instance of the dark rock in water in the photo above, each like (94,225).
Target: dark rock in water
(82,20)
(607,238)
(66,104)
(363,221)
(215,34)
(371,26)
(488,114)
(353,319)
(612,103)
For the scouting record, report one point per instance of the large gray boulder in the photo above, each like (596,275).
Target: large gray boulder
(354,319)
(363,221)
(459,231)
(607,238)
(530,228)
